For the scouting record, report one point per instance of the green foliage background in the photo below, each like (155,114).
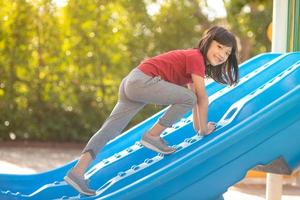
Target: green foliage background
(60,67)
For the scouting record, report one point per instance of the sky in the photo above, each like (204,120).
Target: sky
(215,8)
(60,3)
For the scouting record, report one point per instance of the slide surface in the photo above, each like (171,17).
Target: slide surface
(258,122)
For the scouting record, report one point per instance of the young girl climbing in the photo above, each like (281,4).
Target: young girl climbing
(178,77)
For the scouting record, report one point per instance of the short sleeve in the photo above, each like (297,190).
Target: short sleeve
(195,64)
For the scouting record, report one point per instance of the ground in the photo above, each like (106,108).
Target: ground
(33,157)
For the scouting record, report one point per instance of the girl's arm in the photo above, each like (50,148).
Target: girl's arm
(196,121)
(200,110)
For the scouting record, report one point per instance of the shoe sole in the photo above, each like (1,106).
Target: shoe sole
(154,148)
(76,186)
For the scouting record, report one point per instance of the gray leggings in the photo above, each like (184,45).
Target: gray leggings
(136,90)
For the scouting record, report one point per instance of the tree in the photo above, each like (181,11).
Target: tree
(15,50)
(60,68)
(249,20)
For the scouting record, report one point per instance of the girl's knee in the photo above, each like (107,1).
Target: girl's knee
(191,99)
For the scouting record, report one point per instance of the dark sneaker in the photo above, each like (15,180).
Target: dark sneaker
(156,144)
(79,183)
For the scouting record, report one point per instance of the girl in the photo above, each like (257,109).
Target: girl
(166,75)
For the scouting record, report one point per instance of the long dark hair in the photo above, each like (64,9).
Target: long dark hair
(227,72)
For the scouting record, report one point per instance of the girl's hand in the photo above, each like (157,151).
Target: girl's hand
(211,126)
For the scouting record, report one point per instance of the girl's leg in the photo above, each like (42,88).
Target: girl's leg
(160,92)
(113,126)
(83,162)
(122,113)
(153,90)
(156,130)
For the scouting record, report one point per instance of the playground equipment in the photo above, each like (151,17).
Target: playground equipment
(258,124)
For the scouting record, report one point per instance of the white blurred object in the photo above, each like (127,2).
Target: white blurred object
(8,168)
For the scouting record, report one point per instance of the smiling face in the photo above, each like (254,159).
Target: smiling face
(217,53)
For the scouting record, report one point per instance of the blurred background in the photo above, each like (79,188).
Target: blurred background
(61,61)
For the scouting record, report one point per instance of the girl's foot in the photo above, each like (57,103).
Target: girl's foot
(156,144)
(79,183)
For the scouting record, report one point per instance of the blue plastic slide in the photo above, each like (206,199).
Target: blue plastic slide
(258,122)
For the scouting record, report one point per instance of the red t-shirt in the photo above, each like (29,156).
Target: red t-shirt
(175,66)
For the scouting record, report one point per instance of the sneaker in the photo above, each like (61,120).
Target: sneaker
(156,144)
(79,183)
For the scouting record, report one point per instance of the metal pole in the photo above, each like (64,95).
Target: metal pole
(293,38)
(279,26)
(279,44)
(294,12)
(274,187)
